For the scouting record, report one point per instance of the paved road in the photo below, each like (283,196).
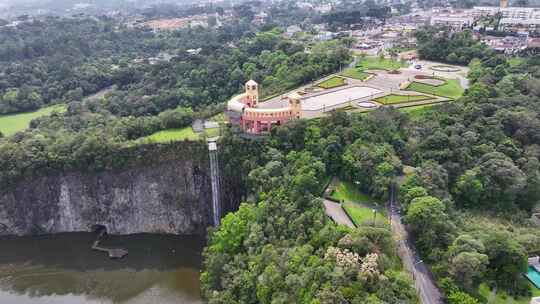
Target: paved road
(423,279)
(334,211)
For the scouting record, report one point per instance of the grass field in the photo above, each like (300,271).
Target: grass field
(503,298)
(13,123)
(451,89)
(212,132)
(417,112)
(169,135)
(186,133)
(356,73)
(375,63)
(347,191)
(332,82)
(360,213)
(397,99)
(359,206)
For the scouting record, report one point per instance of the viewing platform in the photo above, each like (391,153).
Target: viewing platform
(114,253)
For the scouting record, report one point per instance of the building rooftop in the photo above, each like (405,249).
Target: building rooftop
(520,21)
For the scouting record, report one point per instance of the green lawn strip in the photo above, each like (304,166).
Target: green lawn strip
(502,297)
(397,99)
(332,82)
(13,123)
(359,206)
(359,214)
(347,191)
(355,73)
(348,108)
(451,89)
(170,135)
(417,112)
(212,132)
(375,63)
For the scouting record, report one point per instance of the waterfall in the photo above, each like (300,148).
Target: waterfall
(214,176)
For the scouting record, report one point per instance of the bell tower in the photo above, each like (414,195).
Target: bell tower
(295,104)
(252,92)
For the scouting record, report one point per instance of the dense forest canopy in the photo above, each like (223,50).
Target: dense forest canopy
(442,44)
(144,97)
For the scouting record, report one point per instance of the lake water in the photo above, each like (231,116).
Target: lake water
(62,269)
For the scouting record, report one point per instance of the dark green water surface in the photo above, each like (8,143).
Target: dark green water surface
(62,269)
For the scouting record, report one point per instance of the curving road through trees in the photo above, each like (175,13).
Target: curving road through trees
(423,279)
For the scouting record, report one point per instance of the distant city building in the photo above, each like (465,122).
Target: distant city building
(325,36)
(176,23)
(304,5)
(519,25)
(194,51)
(454,22)
(507,45)
(291,30)
(260,18)
(323,9)
(508,12)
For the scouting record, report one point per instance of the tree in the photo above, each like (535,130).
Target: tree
(469,189)
(373,166)
(411,194)
(468,266)
(507,259)
(501,179)
(428,221)
(459,297)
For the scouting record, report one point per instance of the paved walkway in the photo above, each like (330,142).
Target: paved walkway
(336,213)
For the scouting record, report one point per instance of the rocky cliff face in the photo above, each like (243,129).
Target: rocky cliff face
(172,195)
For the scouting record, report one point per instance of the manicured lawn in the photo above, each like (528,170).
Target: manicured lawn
(13,123)
(359,213)
(169,135)
(347,191)
(397,99)
(502,298)
(451,89)
(186,133)
(417,112)
(375,63)
(212,132)
(332,82)
(359,206)
(356,73)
